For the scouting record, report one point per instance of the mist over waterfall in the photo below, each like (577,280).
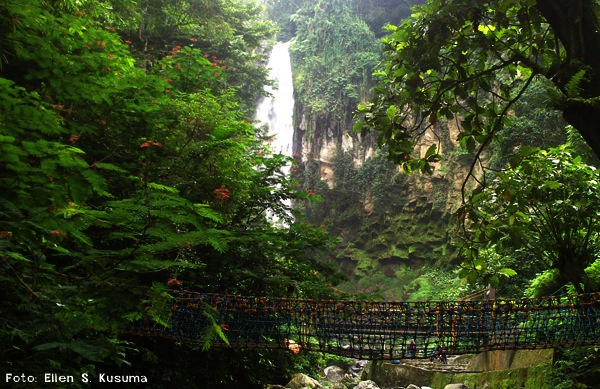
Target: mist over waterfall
(277,110)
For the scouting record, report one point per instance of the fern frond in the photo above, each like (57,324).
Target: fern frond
(207,212)
(213,330)
(573,87)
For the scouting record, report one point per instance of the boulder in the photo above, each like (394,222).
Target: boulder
(456,386)
(412,386)
(301,381)
(367,385)
(350,380)
(357,368)
(338,385)
(334,374)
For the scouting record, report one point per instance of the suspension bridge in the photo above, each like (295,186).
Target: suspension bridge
(378,330)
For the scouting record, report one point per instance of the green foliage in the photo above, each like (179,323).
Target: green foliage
(376,185)
(576,142)
(488,269)
(536,123)
(573,86)
(546,204)
(228,32)
(438,284)
(472,61)
(130,166)
(546,283)
(380,179)
(375,13)
(333,53)
(379,13)
(575,367)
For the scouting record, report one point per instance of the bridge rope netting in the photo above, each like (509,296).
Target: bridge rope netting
(380,330)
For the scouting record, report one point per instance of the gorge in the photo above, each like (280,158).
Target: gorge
(132,169)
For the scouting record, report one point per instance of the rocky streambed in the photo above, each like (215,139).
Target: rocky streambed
(355,377)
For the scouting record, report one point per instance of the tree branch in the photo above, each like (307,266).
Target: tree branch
(495,128)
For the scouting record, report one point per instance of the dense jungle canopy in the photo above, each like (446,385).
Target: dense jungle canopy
(476,59)
(130,163)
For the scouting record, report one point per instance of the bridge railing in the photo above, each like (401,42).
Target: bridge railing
(380,330)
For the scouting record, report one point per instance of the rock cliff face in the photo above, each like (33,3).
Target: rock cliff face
(391,246)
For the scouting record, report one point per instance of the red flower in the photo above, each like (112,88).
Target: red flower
(222,194)
(58,233)
(127,41)
(224,327)
(149,143)
(73,138)
(5,234)
(173,281)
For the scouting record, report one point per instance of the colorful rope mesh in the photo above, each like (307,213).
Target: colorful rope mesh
(381,330)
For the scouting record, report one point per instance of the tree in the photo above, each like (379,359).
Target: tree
(229,32)
(123,175)
(472,60)
(332,55)
(534,123)
(378,13)
(546,204)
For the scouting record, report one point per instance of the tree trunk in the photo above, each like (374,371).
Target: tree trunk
(572,270)
(576,24)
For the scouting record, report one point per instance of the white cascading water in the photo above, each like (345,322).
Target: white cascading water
(277,110)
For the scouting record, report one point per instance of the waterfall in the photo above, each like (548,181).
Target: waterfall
(277,109)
